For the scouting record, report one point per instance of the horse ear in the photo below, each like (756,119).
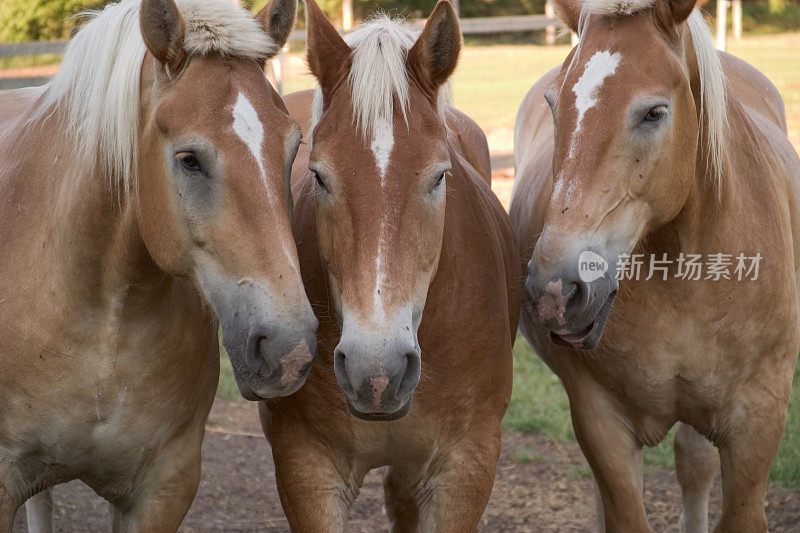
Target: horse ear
(162,30)
(327,52)
(569,12)
(681,9)
(435,54)
(277,18)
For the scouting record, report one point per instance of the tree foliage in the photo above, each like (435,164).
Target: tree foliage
(35,20)
(30,20)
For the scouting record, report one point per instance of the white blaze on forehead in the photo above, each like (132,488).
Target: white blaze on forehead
(248,127)
(250,130)
(382,149)
(599,67)
(382,145)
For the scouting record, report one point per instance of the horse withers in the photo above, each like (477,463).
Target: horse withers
(656,207)
(144,199)
(411,265)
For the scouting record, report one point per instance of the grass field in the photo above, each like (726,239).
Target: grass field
(489,85)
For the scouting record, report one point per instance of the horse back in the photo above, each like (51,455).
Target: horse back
(754,90)
(470,141)
(533,161)
(762,106)
(15,103)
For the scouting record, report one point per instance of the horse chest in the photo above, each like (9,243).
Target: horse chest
(96,414)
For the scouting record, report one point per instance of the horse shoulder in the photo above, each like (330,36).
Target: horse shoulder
(470,143)
(755,91)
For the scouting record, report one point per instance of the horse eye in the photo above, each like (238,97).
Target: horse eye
(320,182)
(440,180)
(189,161)
(656,114)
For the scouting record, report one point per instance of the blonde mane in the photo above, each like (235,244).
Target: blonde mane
(378,77)
(713,85)
(97,85)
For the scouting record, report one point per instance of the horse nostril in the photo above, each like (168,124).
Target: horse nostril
(574,299)
(411,375)
(254,356)
(340,370)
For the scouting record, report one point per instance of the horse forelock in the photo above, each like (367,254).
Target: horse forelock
(714,128)
(97,86)
(378,79)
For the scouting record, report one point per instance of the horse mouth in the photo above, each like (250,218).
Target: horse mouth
(379,417)
(588,337)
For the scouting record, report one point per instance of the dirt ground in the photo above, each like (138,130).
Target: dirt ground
(540,486)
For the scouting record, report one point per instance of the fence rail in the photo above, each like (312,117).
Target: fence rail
(32,48)
(470,26)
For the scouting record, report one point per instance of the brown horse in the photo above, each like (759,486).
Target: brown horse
(638,145)
(392,219)
(144,199)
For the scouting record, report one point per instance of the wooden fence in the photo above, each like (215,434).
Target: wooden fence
(470,26)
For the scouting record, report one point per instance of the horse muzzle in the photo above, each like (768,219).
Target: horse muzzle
(378,379)
(572,305)
(269,363)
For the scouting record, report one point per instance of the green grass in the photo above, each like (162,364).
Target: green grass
(538,403)
(491,81)
(29,61)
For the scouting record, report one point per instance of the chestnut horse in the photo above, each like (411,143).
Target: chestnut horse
(639,145)
(392,219)
(145,200)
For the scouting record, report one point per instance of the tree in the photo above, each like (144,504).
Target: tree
(33,20)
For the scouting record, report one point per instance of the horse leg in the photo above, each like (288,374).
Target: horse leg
(39,512)
(599,515)
(160,501)
(746,454)
(696,462)
(614,455)
(451,497)
(8,510)
(401,506)
(315,495)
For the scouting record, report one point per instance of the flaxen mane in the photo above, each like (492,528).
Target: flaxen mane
(378,77)
(98,82)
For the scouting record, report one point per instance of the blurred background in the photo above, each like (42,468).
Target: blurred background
(543,482)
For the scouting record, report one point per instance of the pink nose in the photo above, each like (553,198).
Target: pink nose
(552,304)
(379,385)
(293,362)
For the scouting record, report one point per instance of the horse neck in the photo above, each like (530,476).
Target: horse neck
(80,239)
(750,176)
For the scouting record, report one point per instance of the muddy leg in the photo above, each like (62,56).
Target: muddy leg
(39,512)
(401,507)
(696,462)
(165,494)
(614,455)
